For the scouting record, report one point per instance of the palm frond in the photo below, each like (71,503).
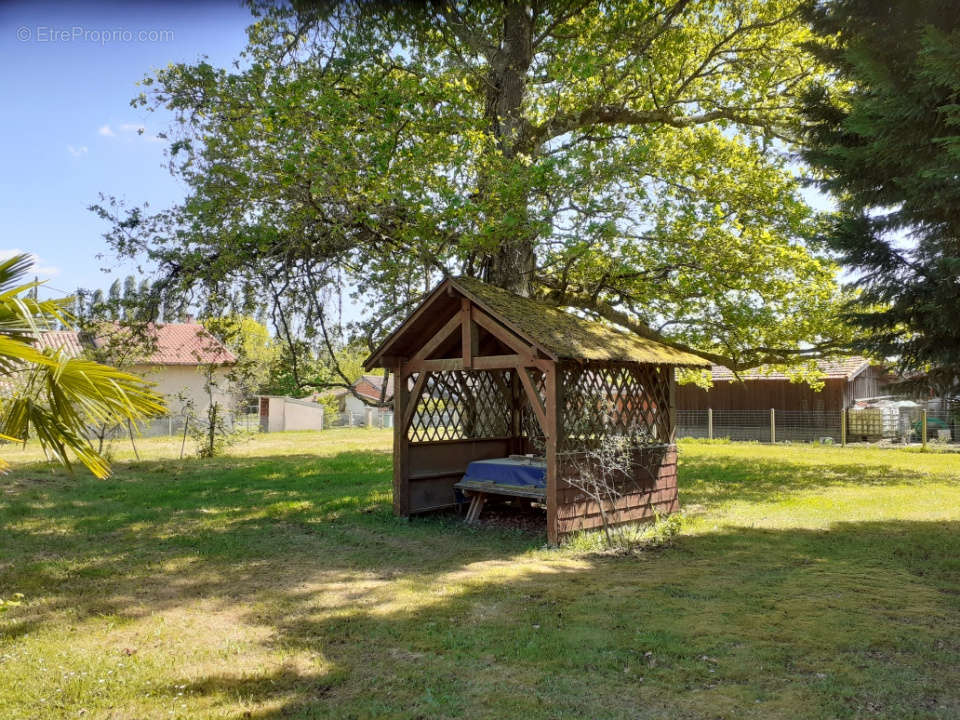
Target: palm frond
(13,269)
(56,398)
(53,435)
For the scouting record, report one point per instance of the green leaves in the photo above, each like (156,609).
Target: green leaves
(633,156)
(52,397)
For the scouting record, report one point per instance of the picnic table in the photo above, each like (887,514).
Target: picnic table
(516,476)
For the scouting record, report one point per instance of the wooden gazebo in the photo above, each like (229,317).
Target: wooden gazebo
(481,373)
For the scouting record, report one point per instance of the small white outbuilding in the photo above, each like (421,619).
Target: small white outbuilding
(279,413)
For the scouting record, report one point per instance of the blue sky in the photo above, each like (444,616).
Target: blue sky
(67,131)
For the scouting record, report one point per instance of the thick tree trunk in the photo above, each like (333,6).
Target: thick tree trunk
(513,263)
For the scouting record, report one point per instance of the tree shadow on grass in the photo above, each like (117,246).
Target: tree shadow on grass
(240,511)
(857,621)
(302,689)
(430,618)
(157,533)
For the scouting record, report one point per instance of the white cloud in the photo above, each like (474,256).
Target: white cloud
(39,267)
(128,131)
(46,270)
(78,151)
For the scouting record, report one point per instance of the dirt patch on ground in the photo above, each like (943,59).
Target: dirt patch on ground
(514,515)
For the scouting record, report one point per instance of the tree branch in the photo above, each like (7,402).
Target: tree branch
(473,40)
(751,358)
(620,115)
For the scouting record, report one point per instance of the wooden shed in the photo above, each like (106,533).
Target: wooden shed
(844,381)
(481,373)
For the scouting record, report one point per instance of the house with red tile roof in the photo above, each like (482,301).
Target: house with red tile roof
(370,387)
(67,341)
(844,381)
(176,357)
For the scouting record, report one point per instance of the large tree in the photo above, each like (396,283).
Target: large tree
(628,160)
(887,140)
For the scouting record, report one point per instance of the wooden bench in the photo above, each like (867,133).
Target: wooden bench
(477,491)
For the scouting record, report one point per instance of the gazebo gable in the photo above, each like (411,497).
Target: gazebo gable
(447,334)
(450,330)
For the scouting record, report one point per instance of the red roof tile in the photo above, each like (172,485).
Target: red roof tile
(369,386)
(68,341)
(188,344)
(845,369)
(376,382)
(176,344)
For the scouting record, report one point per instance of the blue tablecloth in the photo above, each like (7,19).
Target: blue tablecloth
(508,472)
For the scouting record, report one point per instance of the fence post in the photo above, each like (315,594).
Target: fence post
(843,427)
(923,427)
(773,425)
(710,423)
(169,424)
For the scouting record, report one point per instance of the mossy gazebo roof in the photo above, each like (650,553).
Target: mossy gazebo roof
(481,373)
(557,334)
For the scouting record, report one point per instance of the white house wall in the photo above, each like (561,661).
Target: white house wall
(275,406)
(354,405)
(190,380)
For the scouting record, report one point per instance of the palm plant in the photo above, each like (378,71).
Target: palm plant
(48,395)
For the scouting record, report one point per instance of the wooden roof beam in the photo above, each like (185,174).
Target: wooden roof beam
(439,337)
(469,337)
(412,401)
(501,333)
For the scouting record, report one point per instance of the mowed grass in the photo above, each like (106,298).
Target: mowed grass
(808,582)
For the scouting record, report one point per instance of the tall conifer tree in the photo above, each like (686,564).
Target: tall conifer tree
(887,140)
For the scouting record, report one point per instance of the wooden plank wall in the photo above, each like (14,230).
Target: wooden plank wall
(869,383)
(654,490)
(434,467)
(762,395)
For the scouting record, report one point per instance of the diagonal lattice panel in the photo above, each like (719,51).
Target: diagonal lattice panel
(459,405)
(529,423)
(623,400)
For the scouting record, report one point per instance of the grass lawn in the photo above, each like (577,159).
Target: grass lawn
(808,582)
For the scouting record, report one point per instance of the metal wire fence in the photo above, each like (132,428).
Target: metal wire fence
(245,421)
(374,418)
(893,424)
(872,425)
(175,424)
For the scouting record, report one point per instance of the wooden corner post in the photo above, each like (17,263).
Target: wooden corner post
(672,403)
(552,391)
(401,476)
(468,333)
(516,431)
